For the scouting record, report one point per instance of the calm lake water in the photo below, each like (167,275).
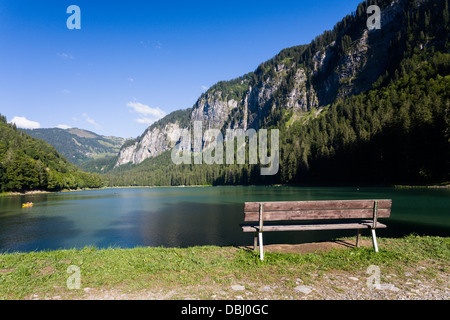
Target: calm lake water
(182,217)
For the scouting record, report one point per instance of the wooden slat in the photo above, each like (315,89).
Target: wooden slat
(317,214)
(327,204)
(307,210)
(311,227)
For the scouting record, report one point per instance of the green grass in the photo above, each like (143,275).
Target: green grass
(25,274)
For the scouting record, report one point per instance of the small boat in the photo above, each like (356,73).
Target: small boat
(27,205)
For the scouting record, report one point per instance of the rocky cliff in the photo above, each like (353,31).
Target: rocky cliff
(344,61)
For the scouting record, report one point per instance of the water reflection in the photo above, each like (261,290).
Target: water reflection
(180,224)
(30,234)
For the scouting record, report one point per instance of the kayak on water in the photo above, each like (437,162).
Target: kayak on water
(27,205)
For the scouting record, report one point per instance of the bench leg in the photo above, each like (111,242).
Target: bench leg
(261,252)
(374,240)
(255,241)
(358,238)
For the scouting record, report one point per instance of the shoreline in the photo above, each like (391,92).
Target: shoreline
(395,186)
(33,192)
(15,193)
(444,186)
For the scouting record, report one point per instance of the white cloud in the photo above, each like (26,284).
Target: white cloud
(147,121)
(24,123)
(146,110)
(91,121)
(65,56)
(131,80)
(63,126)
(65,91)
(147,115)
(204,88)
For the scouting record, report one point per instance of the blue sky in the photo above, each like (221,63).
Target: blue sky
(132,62)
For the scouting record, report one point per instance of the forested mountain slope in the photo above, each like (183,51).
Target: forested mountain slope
(27,163)
(77,145)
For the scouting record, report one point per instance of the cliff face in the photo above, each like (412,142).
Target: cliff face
(213,110)
(297,80)
(152,143)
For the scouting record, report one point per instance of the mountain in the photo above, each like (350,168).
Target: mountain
(78,145)
(27,163)
(155,140)
(353,105)
(339,63)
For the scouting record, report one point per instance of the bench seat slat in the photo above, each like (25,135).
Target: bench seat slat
(311,227)
(319,204)
(316,214)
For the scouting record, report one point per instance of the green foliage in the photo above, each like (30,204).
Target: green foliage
(161,171)
(27,163)
(99,165)
(76,145)
(396,133)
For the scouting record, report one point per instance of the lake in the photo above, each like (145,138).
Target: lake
(191,216)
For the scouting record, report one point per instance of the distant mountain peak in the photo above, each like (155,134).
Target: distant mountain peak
(79,145)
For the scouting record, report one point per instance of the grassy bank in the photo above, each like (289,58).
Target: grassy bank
(197,270)
(31,192)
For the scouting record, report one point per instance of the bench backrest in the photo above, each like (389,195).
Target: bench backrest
(312,210)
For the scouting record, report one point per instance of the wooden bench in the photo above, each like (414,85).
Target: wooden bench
(312,215)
